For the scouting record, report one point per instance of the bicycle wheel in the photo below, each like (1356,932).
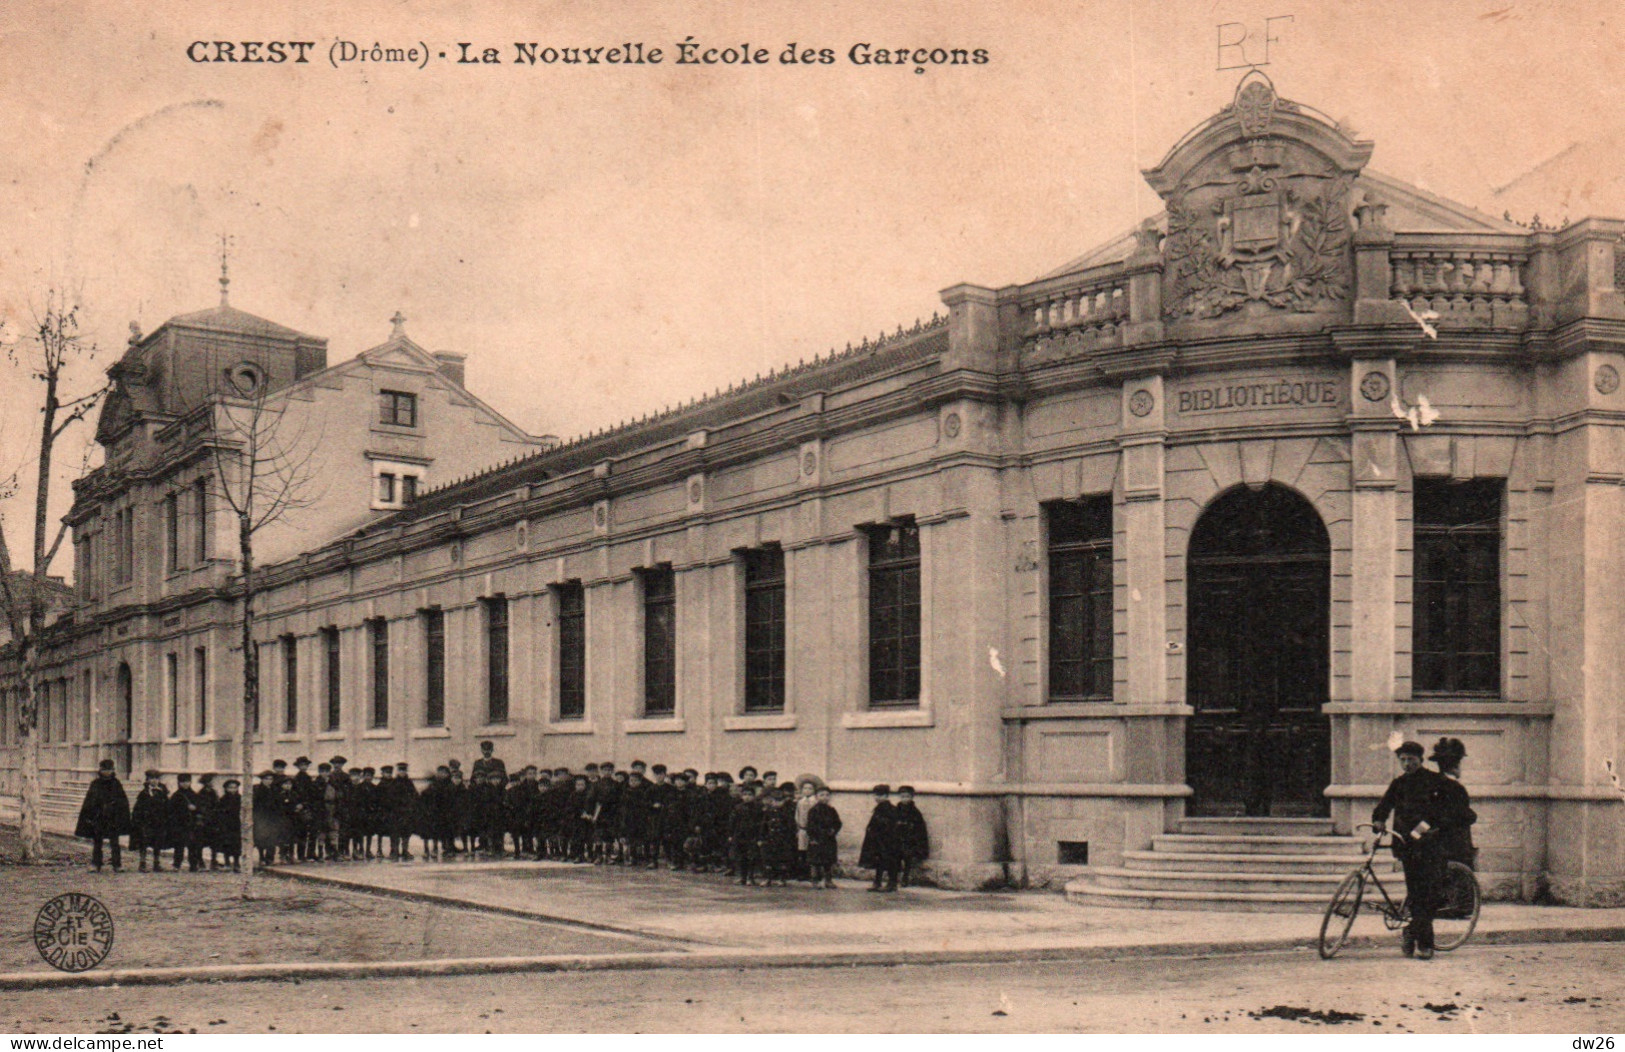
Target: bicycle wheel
(1340,914)
(1458,910)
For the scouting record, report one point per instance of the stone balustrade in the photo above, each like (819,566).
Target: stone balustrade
(1464,286)
(1092,304)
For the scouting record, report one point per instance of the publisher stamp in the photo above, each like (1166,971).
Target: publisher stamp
(73,932)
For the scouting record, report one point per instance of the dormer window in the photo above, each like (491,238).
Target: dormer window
(398,408)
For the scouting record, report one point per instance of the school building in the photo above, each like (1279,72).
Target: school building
(1175,540)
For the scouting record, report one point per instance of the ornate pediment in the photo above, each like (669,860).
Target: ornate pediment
(1259,210)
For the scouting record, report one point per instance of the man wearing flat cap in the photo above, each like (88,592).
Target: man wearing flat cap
(1414,801)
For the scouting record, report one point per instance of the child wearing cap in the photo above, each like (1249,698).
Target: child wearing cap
(823,825)
(913,839)
(150,822)
(880,848)
(228,826)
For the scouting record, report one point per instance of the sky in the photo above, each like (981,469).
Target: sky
(604,240)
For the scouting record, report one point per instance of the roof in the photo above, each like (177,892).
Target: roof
(779,388)
(229,319)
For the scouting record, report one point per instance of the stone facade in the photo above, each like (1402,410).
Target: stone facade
(1297,333)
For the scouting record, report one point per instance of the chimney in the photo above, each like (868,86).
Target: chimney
(451,365)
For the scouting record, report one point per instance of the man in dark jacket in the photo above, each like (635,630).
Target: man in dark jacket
(1455,805)
(401,808)
(880,851)
(105,815)
(1413,800)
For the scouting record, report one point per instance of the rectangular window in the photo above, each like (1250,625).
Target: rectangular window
(496,653)
(434,667)
(378,644)
(1080,598)
(87,704)
(764,629)
(200,679)
(1456,642)
(386,487)
(409,488)
(572,600)
(659,641)
(290,684)
(200,496)
(398,408)
(172,533)
(172,685)
(894,613)
(332,709)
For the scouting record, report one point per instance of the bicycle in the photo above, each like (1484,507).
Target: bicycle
(1453,923)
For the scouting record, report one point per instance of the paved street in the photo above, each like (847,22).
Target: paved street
(182,919)
(1572,988)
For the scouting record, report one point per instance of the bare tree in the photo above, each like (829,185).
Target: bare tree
(260,475)
(57,346)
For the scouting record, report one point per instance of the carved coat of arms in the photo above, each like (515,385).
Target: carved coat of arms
(1261,222)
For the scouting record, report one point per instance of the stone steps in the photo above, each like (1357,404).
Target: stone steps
(1244,862)
(1231,864)
(1316,827)
(1246,843)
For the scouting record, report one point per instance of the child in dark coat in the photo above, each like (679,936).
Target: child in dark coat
(150,822)
(744,830)
(913,840)
(778,839)
(228,827)
(880,848)
(823,825)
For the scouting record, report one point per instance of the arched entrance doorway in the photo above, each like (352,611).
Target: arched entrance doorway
(126,718)
(1259,577)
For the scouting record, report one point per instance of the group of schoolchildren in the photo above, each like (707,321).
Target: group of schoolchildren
(754,828)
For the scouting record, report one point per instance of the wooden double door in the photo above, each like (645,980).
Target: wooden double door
(1259,742)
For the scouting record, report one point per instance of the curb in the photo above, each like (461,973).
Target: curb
(707,959)
(453,902)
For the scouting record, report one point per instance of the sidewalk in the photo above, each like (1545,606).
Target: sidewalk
(705,911)
(682,920)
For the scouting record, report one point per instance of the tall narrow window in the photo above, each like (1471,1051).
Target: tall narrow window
(572,600)
(894,613)
(200,498)
(496,653)
(172,685)
(1080,598)
(378,644)
(290,684)
(434,667)
(200,678)
(1456,642)
(659,642)
(764,629)
(409,488)
(330,647)
(87,705)
(172,533)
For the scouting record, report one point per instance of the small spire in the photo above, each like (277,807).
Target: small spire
(225,274)
(398,320)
